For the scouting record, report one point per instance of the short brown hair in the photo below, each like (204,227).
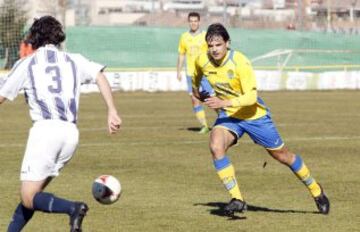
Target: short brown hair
(217,29)
(194,14)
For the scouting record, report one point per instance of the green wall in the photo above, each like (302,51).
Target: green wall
(139,47)
(128,47)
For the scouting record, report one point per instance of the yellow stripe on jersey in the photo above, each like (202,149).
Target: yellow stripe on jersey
(233,80)
(192,45)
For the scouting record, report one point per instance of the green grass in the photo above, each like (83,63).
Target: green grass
(165,168)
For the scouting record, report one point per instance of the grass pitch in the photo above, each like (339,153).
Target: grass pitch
(169,183)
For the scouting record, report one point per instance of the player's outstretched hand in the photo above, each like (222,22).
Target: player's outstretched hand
(114,122)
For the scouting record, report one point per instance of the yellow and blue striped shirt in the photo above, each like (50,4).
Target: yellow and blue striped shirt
(232,80)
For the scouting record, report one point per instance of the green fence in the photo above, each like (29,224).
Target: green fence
(144,47)
(137,47)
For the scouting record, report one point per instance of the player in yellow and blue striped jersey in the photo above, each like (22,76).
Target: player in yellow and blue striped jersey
(192,43)
(241,111)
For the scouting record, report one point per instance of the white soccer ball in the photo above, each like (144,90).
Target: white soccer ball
(106,189)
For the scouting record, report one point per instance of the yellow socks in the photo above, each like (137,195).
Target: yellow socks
(303,173)
(200,115)
(226,172)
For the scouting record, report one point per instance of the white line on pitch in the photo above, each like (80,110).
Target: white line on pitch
(164,142)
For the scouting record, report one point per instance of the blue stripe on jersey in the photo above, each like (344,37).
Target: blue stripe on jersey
(43,107)
(72,106)
(230,57)
(73,67)
(26,98)
(51,56)
(61,108)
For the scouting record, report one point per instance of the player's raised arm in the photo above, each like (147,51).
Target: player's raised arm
(114,120)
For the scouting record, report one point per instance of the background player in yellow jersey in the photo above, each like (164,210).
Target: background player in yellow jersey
(191,44)
(241,111)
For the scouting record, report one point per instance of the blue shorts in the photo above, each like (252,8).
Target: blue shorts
(204,86)
(262,130)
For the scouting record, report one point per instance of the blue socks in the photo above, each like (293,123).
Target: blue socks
(21,216)
(222,163)
(47,202)
(296,166)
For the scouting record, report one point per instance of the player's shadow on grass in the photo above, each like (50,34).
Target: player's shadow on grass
(219,210)
(195,129)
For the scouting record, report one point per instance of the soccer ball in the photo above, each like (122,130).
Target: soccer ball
(106,189)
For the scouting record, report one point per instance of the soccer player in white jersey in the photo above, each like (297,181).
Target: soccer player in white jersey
(51,81)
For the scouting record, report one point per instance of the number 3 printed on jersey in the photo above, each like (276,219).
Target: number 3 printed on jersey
(55,72)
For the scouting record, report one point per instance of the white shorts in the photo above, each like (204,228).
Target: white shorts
(51,144)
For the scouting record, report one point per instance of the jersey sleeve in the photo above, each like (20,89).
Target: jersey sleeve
(182,47)
(247,80)
(14,81)
(88,69)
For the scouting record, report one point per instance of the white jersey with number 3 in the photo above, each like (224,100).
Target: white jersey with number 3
(51,80)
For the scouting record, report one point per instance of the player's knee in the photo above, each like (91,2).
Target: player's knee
(27,200)
(217,150)
(27,197)
(282,155)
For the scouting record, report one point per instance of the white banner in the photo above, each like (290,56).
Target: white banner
(153,81)
(142,81)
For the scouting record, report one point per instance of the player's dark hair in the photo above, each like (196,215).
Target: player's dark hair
(217,29)
(46,30)
(194,14)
